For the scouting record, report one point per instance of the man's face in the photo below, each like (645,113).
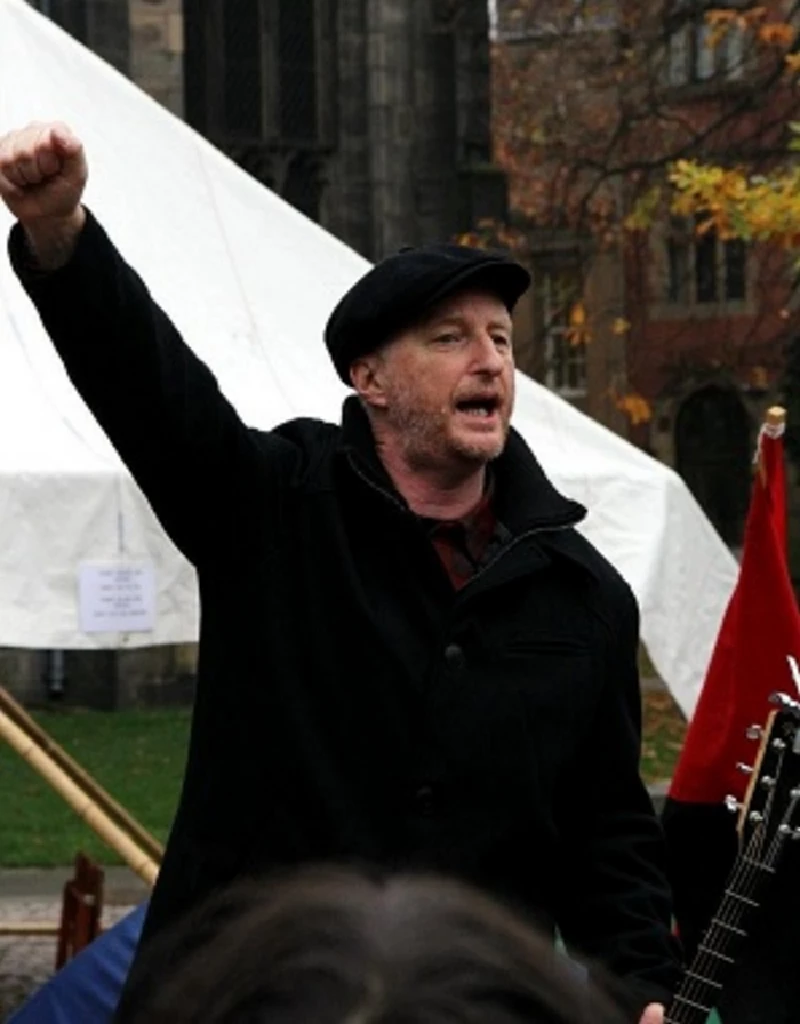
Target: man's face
(445,388)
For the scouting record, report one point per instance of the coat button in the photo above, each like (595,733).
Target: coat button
(454,656)
(424,800)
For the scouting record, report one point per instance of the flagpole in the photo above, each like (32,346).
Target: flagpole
(773,426)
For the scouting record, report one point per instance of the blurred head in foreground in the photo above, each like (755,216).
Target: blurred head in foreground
(333,946)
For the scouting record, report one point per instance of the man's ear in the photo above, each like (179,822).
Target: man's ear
(366,376)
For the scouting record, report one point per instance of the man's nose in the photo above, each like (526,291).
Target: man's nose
(489,358)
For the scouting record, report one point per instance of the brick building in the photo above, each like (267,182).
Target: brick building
(697,326)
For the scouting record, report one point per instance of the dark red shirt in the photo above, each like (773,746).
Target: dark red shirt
(468,544)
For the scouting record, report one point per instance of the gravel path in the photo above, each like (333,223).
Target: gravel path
(27,962)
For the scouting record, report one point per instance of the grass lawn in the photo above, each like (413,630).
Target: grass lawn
(138,756)
(663,730)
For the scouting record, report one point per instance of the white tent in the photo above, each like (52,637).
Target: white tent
(250,283)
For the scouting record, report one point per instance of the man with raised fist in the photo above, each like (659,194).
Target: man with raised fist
(409,656)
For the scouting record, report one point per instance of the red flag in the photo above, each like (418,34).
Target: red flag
(761,627)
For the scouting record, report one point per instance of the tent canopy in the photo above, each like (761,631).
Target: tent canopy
(250,283)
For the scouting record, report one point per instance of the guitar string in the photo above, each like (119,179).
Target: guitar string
(694,988)
(687,999)
(744,874)
(747,870)
(742,881)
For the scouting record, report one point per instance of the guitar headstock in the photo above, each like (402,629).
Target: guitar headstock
(770,811)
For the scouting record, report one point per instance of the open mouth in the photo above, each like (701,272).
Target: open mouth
(481,408)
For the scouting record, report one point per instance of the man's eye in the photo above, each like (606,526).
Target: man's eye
(501,341)
(447,339)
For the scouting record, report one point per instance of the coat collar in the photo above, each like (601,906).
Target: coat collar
(525,499)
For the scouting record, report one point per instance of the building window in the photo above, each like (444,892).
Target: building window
(511,21)
(731,54)
(702,269)
(243,85)
(560,324)
(677,271)
(297,60)
(713,453)
(270,81)
(735,263)
(692,55)
(71,15)
(706,268)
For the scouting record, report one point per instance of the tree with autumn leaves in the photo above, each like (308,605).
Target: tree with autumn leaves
(624,126)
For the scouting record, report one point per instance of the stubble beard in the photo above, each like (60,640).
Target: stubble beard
(477,453)
(427,441)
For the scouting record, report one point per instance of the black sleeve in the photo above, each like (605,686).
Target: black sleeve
(159,405)
(616,911)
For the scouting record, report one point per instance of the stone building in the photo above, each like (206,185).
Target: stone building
(370,116)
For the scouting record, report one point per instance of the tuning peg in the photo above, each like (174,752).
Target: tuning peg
(732,804)
(767,782)
(754,732)
(796,834)
(755,817)
(745,769)
(786,703)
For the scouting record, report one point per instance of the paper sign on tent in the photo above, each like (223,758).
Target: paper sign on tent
(117,597)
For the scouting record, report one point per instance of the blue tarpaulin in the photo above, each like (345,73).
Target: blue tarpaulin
(86,990)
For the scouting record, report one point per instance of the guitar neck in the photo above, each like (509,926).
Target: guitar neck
(702,983)
(766,820)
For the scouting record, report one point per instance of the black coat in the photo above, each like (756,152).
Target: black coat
(350,706)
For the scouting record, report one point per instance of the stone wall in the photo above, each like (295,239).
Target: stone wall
(103,680)
(22,674)
(347,204)
(412,156)
(156,50)
(407,140)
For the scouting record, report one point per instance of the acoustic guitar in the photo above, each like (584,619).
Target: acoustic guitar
(766,823)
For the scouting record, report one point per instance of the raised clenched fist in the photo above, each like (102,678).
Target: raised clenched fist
(42,173)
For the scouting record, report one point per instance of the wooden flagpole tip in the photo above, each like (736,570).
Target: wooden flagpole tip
(776,416)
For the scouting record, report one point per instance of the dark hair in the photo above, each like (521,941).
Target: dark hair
(334,946)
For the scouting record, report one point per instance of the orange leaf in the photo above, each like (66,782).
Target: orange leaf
(753,15)
(636,408)
(776,34)
(620,326)
(577,315)
(719,17)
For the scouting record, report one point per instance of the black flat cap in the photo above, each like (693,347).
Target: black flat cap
(398,291)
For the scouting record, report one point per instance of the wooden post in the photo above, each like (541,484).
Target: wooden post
(108,830)
(109,805)
(773,425)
